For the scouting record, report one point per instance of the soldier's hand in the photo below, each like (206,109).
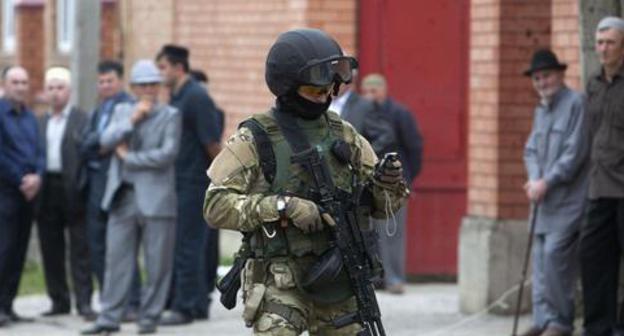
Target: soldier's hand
(391,172)
(304,214)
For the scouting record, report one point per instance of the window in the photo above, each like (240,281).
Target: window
(8,25)
(65,16)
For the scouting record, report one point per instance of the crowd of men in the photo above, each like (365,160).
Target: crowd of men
(128,176)
(574,163)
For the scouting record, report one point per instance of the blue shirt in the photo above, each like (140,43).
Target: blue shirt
(200,127)
(99,119)
(21,150)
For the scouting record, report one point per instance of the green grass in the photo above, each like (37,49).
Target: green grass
(226,260)
(32,281)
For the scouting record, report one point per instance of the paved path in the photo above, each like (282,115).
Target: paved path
(425,310)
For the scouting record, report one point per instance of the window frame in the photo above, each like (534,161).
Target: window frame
(8,26)
(65,14)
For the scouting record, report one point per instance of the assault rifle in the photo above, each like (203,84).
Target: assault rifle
(357,257)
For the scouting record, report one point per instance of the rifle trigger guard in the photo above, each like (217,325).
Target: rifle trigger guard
(266,232)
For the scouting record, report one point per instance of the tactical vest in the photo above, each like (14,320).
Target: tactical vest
(290,178)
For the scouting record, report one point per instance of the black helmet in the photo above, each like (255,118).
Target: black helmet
(306,57)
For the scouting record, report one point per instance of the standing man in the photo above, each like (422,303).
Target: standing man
(200,144)
(263,185)
(111,93)
(555,157)
(211,262)
(396,131)
(22,164)
(140,197)
(61,204)
(602,235)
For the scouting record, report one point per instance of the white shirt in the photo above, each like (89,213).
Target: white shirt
(54,140)
(337,105)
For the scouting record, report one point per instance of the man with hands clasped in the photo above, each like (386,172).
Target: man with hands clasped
(140,195)
(22,163)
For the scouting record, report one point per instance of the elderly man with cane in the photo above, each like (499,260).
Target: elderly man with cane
(556,162)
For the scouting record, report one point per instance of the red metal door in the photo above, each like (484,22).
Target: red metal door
(422,48)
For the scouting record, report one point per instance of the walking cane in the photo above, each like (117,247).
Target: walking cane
(525,267)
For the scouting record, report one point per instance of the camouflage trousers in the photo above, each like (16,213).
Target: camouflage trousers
(276,307)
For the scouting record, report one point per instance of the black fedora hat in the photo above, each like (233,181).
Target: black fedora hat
(544,59)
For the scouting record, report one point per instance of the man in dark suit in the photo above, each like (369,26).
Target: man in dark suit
(61,204)
(200,143)
(396,130)
(110,90)
(352,107)
(22,163)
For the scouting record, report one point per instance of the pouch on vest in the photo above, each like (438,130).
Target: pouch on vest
(282,275)
(325,270)
(252,303)
(326,281)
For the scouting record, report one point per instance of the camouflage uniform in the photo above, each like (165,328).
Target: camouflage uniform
(240,198)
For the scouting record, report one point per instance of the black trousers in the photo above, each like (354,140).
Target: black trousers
(211,263)
(16,216)
(189,294)
(602,242)
(53,220)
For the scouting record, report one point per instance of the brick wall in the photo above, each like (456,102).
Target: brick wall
(504,34)
(146,26)
(109,31)
(483,111)
(229,40)
(566,38)
(29,36)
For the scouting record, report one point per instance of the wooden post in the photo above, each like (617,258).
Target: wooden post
(86,55)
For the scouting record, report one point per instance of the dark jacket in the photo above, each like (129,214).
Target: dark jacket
(605,107)
(90,146)
(92,159)
(20,147)
(393,128)
(356,110)
(70,156)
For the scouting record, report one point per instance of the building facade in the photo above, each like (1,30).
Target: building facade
(456,63)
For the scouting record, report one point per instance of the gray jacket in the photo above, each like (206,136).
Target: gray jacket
(558,150)
(149,166)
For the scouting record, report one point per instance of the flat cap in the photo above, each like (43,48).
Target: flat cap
(145,72)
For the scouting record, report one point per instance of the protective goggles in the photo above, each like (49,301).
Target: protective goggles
(316,90)
(324,72)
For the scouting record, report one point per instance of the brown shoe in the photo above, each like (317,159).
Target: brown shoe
(534,331)
(554,331)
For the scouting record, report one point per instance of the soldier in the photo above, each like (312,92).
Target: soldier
(260,188)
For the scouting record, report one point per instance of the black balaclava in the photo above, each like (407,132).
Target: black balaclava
(301,107)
